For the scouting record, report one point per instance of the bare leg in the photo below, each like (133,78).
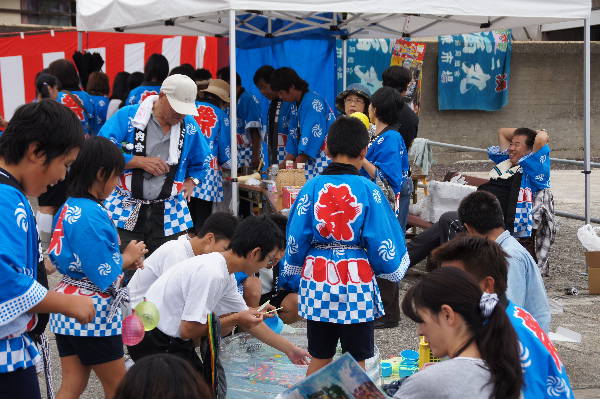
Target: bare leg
(252,291)
(316,364)
(74,378)
(289,313)
(110,375)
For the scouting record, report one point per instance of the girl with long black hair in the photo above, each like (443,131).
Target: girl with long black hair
(461,322)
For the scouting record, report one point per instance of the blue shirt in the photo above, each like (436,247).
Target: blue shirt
(544,374)
(525,284)
(341,234)
(79,223)
(248,117)
(388,153)
(101,107)
(535,167)
(308,127)
(87,114)
(139,94)
(19,290)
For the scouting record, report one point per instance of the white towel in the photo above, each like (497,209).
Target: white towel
(140,121)
(420,154)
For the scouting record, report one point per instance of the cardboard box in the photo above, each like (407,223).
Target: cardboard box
(592,259)
(288,195)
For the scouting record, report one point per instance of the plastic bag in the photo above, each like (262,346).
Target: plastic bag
(588,236)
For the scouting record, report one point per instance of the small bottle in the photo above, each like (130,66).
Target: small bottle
(273,170)
(289,164)
(300,165)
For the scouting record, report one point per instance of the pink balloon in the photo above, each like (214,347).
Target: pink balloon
(132,330)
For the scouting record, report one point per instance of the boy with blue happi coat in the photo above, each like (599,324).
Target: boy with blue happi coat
(309,121)
(341,234)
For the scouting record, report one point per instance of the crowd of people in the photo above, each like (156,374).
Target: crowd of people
(133,205)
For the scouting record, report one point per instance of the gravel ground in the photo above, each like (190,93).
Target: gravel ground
(580,313)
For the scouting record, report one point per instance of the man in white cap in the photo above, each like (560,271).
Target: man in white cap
(164,155)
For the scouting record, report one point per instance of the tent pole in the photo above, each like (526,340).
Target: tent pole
(79,41)
(586,117)
(344,62)
(233,113)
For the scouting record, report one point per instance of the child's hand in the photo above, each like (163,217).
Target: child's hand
(298,356)
(249,319)
(269,311)
(81,308)
(132,256)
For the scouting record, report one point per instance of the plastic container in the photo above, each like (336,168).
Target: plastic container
(425,355)
(386,369)
(274,323)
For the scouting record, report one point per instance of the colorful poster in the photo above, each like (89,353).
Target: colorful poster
(366,61)
(411,56)
(474,70)
(343,379)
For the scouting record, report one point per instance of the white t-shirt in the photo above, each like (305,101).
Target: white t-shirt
(192,289)
(266,280)
(165,257)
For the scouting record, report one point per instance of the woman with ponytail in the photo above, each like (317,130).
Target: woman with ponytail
(46,86)
(463,323)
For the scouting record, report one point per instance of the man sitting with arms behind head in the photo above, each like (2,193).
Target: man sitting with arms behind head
(522,170)
(481,215)
(544,373)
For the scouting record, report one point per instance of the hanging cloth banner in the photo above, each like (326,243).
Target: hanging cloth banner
(366,61)
(474,70)
(411,56)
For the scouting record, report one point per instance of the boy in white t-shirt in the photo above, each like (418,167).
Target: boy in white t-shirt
(188,292)
(214,236)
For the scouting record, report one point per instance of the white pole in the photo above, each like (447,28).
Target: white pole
(586,117)
(233,113)
(79,41)
(344,63)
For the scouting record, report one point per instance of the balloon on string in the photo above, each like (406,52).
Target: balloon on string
(148,313)
(132,330)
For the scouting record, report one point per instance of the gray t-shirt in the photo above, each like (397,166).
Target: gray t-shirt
(157,145)
(458,378)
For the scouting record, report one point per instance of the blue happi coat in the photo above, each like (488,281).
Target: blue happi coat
(282,123)
(19,257)
(388,153)
(86,115)
(341,234)
(79,223)
(248,116)
(140,93)
(120,130)
(535,168)
(100,107)
(214,125)
(544,374)
(309,124)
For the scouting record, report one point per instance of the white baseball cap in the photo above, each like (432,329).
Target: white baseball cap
(181,92)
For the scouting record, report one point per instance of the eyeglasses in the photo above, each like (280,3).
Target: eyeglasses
(354,100)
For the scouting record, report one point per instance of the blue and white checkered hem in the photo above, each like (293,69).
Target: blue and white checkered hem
(101,326)
(14,307)
(398,274)
(339,304)
(18,353)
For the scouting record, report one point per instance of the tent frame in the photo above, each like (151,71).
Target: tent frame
(342,24)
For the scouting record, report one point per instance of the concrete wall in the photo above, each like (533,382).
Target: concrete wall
(10,18)
(545,91)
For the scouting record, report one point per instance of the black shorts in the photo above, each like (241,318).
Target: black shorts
(21,383)
(90,350)
(358,339)
(275,297)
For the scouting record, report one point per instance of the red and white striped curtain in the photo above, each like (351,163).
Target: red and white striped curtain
(23,56)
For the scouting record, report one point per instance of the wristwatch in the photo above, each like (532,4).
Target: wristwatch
(195,180)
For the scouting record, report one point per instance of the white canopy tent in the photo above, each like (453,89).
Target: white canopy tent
(349,18)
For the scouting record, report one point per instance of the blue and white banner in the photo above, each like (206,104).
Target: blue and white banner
(366,61)
(474,70)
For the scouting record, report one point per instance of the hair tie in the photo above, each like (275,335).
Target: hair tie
(487,303)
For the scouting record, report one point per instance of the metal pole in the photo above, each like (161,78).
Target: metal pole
(344,62)
(586,117)
(80,41)
(233,113)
